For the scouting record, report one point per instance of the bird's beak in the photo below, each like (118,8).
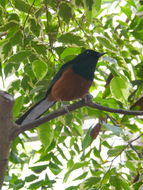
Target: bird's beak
(101,54)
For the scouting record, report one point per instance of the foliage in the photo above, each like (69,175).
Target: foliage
(36,38)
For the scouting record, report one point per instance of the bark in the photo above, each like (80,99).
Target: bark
(6,104)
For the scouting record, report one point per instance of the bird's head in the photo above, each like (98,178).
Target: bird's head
(91,53)
(85,63)
(89,56)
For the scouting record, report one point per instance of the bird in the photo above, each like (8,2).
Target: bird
(71,82)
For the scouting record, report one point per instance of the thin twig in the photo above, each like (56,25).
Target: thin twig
(112,110)
(111,166)
(133,148)
(136,138)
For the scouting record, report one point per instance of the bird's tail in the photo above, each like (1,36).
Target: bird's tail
(36,111)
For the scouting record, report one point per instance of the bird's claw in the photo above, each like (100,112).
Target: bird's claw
(87,98)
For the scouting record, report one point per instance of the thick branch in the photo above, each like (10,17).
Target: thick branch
(63,111)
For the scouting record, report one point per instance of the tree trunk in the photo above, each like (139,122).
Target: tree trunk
(6,124)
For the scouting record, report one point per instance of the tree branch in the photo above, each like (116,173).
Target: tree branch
(112,110)
(20,129)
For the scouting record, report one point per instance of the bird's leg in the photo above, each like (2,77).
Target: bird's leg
(87,97)
(64,106)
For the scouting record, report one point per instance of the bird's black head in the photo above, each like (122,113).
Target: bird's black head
(88,57)
(91,53)
(85,63)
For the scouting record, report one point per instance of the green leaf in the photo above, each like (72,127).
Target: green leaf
(89,4)
(62,153)
(105,42)
(132,3)
(3,3)
(70,51)
(70,38)
(65,12)
(56,160)
(106,177)
(127,11)
(46,134)
(22,6)
(30,178)
(7,49)
(115,182)
(54,168)
(131,165)
(39,169)
(98,5)
(17,38)
(119,183)
(116,130)
(125,184)
(40,69)
(76,147)
(12,25)
(115,151)
(82,176)
(92,9)
(70,163)
(87,139)
(17,106)
(37,2)
(35,27)
(95,164)
(92,181)
(72,188)
(120,89)
(20,56)
(36,185)
(14,17)
(39,48)
(19,184)
(14,157)
(138,34)
(75,167)
(96,153)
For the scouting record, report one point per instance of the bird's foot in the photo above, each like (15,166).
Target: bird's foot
(87,98)
(65,106)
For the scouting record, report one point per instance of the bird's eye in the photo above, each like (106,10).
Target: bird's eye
(87,52)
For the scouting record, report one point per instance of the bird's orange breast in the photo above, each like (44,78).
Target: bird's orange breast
(70,86)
